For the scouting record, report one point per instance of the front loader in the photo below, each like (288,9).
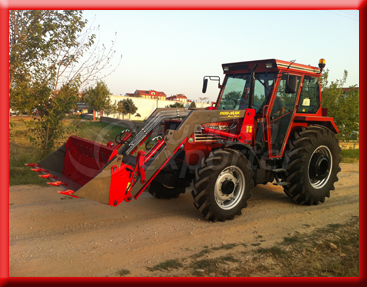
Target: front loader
(267,125)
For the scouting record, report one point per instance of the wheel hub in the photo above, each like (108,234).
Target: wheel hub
(320,166)
(229,187)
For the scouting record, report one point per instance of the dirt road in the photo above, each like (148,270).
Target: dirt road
(56,235)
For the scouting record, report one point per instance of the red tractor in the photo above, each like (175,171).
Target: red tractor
(267,125)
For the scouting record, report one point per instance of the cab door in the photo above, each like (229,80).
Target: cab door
(280,114)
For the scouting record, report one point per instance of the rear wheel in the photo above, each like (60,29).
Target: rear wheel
(313,165)
(222,185)
(158,190)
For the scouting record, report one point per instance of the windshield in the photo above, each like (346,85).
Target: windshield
(237,91)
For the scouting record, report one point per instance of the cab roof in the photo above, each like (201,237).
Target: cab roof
(268,65)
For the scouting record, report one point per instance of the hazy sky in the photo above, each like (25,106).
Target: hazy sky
(171,51)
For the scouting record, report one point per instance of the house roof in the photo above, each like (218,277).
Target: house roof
(347,89)
(148,93)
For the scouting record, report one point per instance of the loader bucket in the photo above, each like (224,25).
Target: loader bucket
(87,169)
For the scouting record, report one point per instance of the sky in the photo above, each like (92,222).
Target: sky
(171,51)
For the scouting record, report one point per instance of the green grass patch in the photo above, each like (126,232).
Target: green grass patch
(18,172)
(274,251)
(214,265)
(290,240)
(256,244)
(201,253)
(225,246)
(123,272)
(350,155)
(334,226)
(167,265)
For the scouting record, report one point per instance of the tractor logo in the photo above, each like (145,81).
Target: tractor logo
(233,114)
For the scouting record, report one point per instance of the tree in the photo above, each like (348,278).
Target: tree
(129,107)
(98,97)
(48,65)
(177,105)
(111,108)
(342,106)
(192,105)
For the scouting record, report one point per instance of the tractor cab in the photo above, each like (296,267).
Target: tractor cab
(277,91)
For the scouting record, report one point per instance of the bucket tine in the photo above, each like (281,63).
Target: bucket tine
(39,169)
(32,164)
(47,176)
(56,183)
(68,192)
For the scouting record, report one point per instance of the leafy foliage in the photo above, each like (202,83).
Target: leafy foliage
(98,97)
(129,107)
(111,108)
(177,105)
(193,105)
(342,106)
(48,64)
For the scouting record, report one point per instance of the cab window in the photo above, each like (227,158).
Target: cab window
(309,100)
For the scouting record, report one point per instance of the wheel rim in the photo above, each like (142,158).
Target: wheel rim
(320,167)
(229,187)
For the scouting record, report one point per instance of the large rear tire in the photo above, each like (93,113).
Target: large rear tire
(222,185)
(313,165)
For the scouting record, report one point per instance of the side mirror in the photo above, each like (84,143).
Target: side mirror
(291,84)
(205,84)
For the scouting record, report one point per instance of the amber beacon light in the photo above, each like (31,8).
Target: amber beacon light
(322,64)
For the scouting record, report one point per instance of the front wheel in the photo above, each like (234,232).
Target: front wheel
(222,185)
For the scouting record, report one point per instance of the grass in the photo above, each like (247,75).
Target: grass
(123,272)
(350,155)
(167,265)
(302,255)
(225,246)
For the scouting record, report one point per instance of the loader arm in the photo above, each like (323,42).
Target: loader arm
(175,138)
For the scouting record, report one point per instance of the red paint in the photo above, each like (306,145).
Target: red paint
(39,169)
(312,118)
(114,153)
(119,189)
(127,136)
(220,133)
(47,176)
(140,167)
(68,192)
(56,183)
(84,159)
(155,174)
(153,150)
(32,164)
(247,129)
